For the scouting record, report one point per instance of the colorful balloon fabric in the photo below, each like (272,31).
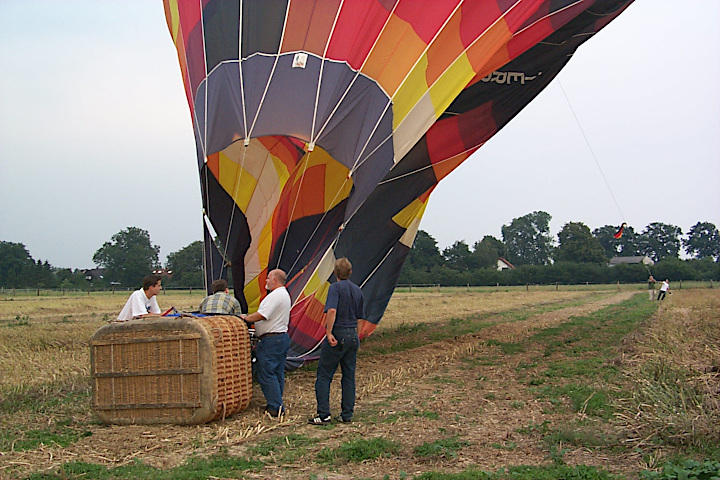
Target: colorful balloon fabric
(322,127)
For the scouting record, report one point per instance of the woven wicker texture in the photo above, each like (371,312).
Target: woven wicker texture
(183,370)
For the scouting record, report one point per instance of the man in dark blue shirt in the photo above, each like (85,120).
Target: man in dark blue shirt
(344,307)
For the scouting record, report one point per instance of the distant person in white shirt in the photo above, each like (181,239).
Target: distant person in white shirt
(664,288)
(143,302)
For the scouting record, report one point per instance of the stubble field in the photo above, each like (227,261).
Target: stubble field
(461,383)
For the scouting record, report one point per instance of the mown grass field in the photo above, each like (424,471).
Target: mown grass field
(588,383)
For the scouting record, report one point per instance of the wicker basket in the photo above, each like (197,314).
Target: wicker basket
(182,370)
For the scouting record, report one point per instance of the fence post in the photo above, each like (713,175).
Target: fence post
(556,286)
(410,288)
(711,285)
(618,284)
(468,288)
(527,287)
(680,284)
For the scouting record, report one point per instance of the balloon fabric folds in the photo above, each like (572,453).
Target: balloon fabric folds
(322,127)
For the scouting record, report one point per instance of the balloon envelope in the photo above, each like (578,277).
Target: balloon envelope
(322,127)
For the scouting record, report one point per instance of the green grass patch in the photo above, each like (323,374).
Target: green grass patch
(685,469)
(217,466)
(44,398)
(508,348)
(581,435)
(61,433)
(444,448)
(535,428)
(283,448)
(548,472)
(594,338)
(597,332)
(359,450)
(408,336)
(586,367)
(504,446)
(394,417)
(583,398)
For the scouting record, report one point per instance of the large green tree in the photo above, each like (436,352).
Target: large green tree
(703,241)
(528,239)
(17,267)
(424,253)
(187,265)
(487,251)
(128,257)
(625,246)
(660,240)
(578,245)
(423,257)
(459,257)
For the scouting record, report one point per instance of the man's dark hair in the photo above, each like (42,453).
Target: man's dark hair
(150,281)
(219,286)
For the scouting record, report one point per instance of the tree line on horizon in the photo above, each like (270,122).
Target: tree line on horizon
(578,256)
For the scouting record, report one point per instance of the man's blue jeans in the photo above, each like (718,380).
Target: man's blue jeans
(270,356)
(345,355)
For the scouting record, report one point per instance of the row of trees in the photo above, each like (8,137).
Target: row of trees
(528,241)
(578,256)
(19,270)
(130,255)
(123,261)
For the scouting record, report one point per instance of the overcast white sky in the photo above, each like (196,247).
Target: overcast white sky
(95,132)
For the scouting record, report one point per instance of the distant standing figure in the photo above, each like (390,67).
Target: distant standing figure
(220,301)
(664,288)
(271,325)
(143,302)
(344,307)
(651,287)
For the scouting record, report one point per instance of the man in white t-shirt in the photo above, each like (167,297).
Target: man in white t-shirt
(664,288)
(143,302)
(271,325)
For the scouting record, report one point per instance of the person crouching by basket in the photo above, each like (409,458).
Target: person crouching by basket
(143,302)
(344,307)
(271,325)
(220,302)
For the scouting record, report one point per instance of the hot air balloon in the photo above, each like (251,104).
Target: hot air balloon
(322,127)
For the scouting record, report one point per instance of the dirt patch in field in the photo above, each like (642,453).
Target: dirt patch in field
(461,388)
